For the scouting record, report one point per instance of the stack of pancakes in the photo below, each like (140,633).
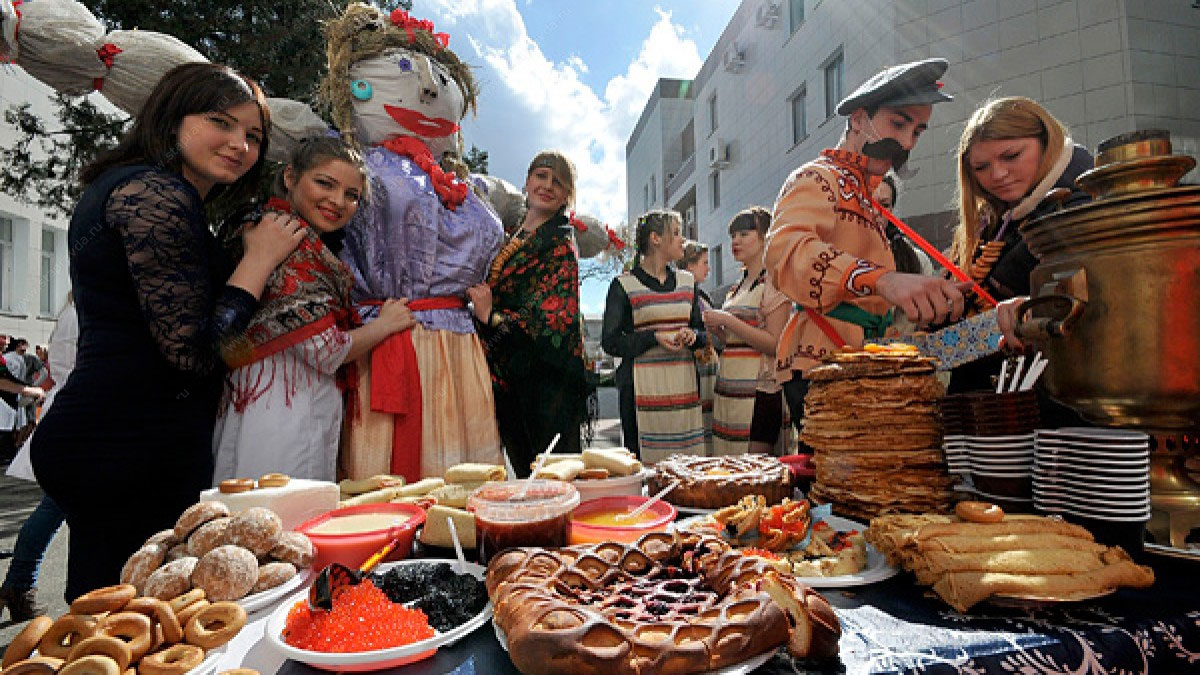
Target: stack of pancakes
(871,418)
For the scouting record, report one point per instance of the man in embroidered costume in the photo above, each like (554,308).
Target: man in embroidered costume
(827,248)
(425,395)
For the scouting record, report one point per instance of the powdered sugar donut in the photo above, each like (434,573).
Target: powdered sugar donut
(294,548)
(170,580)
(226,573)
(272,575)
(207,537)
(166,538)
(177,552)
(196,515)
(256,529)
(142,564)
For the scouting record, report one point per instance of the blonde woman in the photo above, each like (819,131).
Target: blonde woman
(695,260)
(1011,154)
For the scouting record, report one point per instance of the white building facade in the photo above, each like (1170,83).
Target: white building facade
(763,102)
(34,276)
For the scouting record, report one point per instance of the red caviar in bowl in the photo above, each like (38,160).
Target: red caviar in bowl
(362,619)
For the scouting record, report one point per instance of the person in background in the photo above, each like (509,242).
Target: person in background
(18,593)
(908,257)
(652,321)
(1012,153)
(824,249)
(748,414)
(155,297)
(695,260)
(528,316)
(284,366)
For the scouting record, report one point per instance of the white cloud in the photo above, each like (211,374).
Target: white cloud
(530,102)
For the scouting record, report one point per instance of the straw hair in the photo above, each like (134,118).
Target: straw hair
(561,165)
(364,32)
(692,252)
(1003,118)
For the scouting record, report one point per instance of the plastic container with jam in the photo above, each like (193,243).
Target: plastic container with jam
(597,520)
(504,518)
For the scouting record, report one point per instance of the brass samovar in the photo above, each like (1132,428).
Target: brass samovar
(1115,305)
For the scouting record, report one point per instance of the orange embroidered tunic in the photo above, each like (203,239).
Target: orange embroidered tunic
(826,246)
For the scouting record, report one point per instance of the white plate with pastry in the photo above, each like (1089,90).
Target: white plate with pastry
(256,602)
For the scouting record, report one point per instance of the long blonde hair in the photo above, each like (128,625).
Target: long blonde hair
(1002,118)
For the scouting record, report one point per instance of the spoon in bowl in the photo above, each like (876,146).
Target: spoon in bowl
(649,502)
(336,577)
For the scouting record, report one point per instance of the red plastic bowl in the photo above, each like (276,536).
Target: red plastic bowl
(586,533)
(353,549)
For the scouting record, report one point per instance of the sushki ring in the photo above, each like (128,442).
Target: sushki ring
(361,90)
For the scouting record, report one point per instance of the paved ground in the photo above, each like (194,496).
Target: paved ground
(18,499)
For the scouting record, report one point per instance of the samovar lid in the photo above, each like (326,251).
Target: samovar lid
(1136,161)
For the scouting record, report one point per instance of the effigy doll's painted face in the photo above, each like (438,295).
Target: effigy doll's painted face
(405,93)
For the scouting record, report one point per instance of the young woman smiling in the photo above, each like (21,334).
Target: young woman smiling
(528,315)
(155,297)
(282,409)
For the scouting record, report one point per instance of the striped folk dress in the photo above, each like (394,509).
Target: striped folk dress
(706,372)
(664,381)
(737,377)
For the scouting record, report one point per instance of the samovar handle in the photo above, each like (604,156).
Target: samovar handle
(1045,328)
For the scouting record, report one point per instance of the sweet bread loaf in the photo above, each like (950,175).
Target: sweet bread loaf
(714,482)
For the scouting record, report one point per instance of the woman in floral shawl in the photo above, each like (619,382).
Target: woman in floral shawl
(529,319)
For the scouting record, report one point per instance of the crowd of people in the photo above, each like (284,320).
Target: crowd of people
(377,315)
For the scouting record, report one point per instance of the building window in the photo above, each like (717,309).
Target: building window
(714,184)
(796,13)
(833,83)
(712,113)
(718,261)
(687,140)
(799,116)
(645,198)
(46,305)
(653,190)
(6,263)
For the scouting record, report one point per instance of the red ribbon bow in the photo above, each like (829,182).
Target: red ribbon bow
(448,187)
(577,223)
(617,242)
(411,24)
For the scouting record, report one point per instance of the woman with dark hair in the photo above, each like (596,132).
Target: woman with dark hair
(154,298)
(652,321)
(529,319)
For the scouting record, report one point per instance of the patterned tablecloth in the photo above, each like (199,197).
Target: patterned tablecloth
(894,627)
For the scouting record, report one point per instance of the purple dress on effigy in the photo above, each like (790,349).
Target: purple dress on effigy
(404,243)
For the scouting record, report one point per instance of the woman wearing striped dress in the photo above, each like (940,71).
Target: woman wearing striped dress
(748,407)
(652,321)
(695,260)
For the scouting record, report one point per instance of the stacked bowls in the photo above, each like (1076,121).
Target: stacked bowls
(989,442)
(1098,477)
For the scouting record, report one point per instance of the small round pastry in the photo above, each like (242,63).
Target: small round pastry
(165,538)
(294,548)
(160,611)
(207,537)
(273,480)
(101,600)
(142,564)
(68,631)
(26,641)
(979,512)
(174,660)
(176,552)
(95,664)
(227,572)
(185,615)
(239,671)
(257,528)
(103,645)
(135,629)
(215,625)
(178,602)
(196,515)
(171,580)
(38,665)
(233,486)
(273,574)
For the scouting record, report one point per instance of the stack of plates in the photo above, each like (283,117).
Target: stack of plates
(985,413)
(1101,474)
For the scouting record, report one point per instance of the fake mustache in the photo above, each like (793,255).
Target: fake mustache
(890,150)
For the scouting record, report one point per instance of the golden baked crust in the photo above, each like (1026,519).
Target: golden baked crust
(667,604)
(714,482)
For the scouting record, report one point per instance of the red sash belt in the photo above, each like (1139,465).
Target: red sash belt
(396,387)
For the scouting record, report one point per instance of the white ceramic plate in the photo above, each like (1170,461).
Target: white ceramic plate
(1096,434)
(378,659)
(877,568)
(265,599)
(742,668)
(693,510)
(209,664)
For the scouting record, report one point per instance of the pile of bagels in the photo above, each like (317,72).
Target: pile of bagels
(110,631)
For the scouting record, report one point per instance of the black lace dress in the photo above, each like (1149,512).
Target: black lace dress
(127,445)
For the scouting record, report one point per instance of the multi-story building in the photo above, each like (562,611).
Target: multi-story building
(34,279)
(763,102)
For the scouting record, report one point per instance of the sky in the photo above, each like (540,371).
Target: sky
(573,75)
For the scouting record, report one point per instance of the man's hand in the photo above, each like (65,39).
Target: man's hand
(924,300)
(1007,319)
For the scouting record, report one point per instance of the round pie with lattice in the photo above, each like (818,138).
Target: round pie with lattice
(667,604)
(714,482)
